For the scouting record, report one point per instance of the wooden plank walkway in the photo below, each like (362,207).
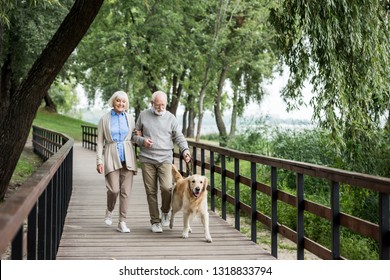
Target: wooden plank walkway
(86,237)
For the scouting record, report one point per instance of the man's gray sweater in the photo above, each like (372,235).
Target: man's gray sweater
(164,132)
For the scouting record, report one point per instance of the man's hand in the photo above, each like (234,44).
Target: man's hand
(148,143)
(187,156)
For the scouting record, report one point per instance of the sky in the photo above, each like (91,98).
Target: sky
(272,104)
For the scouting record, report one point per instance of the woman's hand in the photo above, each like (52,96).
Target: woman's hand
(99,168)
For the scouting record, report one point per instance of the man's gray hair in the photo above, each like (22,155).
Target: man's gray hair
(159,93)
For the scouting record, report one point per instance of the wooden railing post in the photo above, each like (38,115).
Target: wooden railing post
(223,185)
(335,206)
(384,225)
(300,218)
(237,193)
(253,202)
(379,233)
(212,181)
(274,212)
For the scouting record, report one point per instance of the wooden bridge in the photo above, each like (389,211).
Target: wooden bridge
(58,213)
(86,237)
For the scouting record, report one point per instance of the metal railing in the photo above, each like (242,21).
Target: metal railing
(32,219)
(207,156)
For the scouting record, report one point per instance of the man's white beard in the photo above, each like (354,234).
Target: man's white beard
(158,113)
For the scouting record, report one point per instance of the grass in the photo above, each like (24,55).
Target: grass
(60,123)
(27,164)
(28,161)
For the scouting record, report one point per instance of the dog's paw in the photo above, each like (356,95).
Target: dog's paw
(184,235)
(208,238)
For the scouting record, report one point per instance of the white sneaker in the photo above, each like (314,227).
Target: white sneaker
(122,227)
(157,227)
(165,219)
(108,218)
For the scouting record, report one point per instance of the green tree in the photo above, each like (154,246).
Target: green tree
(179,48)
(342,48)
(243,55)
(21,98)
(64,95)
(29,26)
(140,50)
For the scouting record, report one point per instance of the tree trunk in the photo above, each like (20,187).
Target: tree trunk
(23,104)
(191,124)
(177,89)
(5,86)
(233,124)
(191,117)
(218,110)
(184,122)
(50,106)
(1,42)
(201,100)
(200,117)
(149,79)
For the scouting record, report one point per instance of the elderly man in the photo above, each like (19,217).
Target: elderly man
(157,131)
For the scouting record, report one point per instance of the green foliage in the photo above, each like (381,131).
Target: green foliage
(6,6)
(368,153)
(142,46)
(357,247)
(252,137)
(64,95)
(361,203)
(317,147)
(29,26)
(342,48)
(312,146)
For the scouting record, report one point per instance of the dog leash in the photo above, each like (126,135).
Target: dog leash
(189,166)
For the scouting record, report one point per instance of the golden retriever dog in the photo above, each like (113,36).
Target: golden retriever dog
(190,195)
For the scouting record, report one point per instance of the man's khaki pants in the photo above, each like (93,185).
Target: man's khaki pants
(154,174)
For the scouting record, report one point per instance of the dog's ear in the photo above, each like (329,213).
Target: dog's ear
(205,183)
(189,179)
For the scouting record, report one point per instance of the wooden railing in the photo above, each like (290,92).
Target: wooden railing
(89,137)
(207,156)
(32,219)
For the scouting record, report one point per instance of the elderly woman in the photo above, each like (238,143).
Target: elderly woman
(115,156)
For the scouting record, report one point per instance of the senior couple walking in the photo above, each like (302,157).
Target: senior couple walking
(155,132)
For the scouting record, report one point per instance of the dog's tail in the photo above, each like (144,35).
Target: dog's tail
(176,174)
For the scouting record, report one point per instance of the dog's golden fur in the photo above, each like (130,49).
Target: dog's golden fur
(190,195)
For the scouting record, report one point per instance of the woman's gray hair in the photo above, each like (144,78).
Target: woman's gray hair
(119,95)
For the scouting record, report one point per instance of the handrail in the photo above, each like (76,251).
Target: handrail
(379,232)
(89,137)
(35,213)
